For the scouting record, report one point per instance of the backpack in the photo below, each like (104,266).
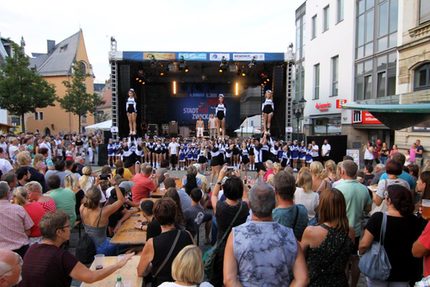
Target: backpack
(86,249)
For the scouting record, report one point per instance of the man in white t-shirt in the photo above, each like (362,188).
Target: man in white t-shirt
(46,144)
(325,151)
(5,165)
(315,151)
(173,149)
(13,149)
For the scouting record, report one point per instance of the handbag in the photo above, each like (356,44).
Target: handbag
(86,249)
(375,263)
(209,257)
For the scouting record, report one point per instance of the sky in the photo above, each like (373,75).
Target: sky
(157,25)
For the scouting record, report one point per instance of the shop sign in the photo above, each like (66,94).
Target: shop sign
(340,103)
(323,107)
(369,119)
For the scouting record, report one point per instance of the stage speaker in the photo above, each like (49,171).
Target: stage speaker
(102,155)
(277,128)
(106,136)
(173,128)
(164,129)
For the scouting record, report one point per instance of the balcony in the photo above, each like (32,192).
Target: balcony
(420,31)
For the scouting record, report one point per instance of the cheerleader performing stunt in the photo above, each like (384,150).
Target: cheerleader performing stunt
(220,112)
(131,111)
(267,110)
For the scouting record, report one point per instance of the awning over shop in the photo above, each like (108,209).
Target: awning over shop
(395,116)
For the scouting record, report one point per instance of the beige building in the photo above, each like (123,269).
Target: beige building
(55,66)
(413,82)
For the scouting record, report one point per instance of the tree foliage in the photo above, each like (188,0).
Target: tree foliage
(76,99)
(22,90)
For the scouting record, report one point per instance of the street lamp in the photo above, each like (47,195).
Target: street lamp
(299,111)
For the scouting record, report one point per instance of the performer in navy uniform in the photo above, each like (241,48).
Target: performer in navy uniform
(220,112)
(267,109)
(131,111)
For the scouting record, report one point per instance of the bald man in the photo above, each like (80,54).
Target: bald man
(10,268)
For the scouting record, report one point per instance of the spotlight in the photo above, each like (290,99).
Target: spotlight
(252,63)
(174,87)
(223,66)
(161,73)
(243,74)
(220,70)
(236,88)
(137,78)
(186,69)
(268,79)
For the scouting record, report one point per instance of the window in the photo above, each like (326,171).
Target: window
(300,26)
(367,87)
(314,26)
(382,79)
(424,11)
(38,116)
(422,77)
(316,81)
(326,21)
(82,67)
(340,8)
(334,75)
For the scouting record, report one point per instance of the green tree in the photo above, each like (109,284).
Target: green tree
(77,100)
(22,90)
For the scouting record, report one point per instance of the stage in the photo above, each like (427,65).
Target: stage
(173,89)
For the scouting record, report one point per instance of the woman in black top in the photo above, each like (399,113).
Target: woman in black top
(157,249)
(225,211)
(402,229)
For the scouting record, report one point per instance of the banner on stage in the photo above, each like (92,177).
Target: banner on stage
(218,56)
(159,56)
(192,56)
(248,57)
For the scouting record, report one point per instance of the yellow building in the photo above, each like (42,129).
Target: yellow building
(413,84)
(55,67)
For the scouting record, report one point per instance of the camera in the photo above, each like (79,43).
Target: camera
(104,176)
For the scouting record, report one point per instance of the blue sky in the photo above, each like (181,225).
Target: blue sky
(161,25)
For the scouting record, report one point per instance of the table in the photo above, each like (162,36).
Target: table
(128,234)
(128,274)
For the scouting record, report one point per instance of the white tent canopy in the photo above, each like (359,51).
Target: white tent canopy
(247,130)
(104,126)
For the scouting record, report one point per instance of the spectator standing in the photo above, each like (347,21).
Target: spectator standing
(173,149)
(5,165)
(369,154)
(402,229)
(34,190)
(64,198)
(15,223)
(262,252)
(357,200)
(419,153)
(212,126)
(23,159)
(287,212)
(315,151)
(306,196)
(328,245)
(400,158)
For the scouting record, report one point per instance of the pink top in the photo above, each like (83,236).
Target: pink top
(36,212)
(266,175)
(424,239)
(49,205)
(412,153)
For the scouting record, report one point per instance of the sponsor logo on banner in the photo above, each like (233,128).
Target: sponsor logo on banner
(218,56)
(368,119)
(248,57)
(192,56)
(323,107)
(159,56)
(340,103)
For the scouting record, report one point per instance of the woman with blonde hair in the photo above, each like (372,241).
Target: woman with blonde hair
(306,196)
(318,177)
(87,180)
(328,245)
(39,163)
(187,268)
(330,168)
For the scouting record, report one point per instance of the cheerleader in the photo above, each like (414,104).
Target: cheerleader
(250,148)
(196,154)
(202,157)
(190,154)
(217,160)
(139,150)
(111,152)
(309,158)
(244,157)
(151,155)
(285,156)
(221,113)
(267,110)
(294,150)
(182,155)
(158,153)
(163,149)
(228,153)
(236,154)
(131,111)
(302,154)
(130,156)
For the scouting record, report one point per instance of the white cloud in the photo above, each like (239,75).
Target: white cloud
(158,25)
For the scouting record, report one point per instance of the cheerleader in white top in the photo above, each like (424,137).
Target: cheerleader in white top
(220,112)
(131,111)
(267,109)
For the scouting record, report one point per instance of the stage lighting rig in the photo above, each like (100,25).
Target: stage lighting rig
(183,65)
(140,77)
(223,66)
(252,63)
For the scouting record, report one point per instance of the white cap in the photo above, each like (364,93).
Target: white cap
(221,96)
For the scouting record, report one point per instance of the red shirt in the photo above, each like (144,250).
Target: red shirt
(266,175)
(424,239)
(142,187)
(36,212)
